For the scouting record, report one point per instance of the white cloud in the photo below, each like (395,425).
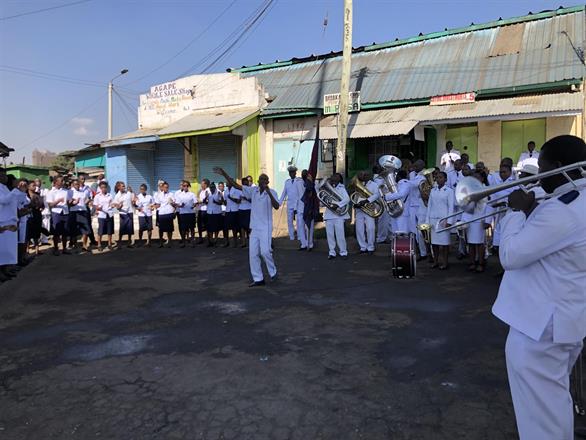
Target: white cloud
(81,126)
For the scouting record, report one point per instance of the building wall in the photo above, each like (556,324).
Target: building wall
(561,125)
(171,101)
(116,167)
(489,143)
(30,174)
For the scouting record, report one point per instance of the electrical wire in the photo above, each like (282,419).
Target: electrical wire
(188,45)
(37,11)
(50,76)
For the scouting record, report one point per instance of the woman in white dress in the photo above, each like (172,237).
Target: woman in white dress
(440,204)
(476,235)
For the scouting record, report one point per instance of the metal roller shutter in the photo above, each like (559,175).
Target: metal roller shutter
(169,162)
(140,169)
(217,151)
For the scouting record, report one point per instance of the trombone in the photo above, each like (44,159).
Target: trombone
(472,196)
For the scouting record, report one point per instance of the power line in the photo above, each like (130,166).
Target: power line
(66,122)
(37,11)
(188,45)
(52,78)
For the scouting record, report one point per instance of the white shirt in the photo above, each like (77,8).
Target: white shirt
(527,157)
(293,191)
(214,203)
(245,204)
(440,204)
(453,178)
(125,199)
(414,194)
(544,257)
(88,191)
(104,202)
(165,200)
(143,204)
(372,186)
(63,195)
(201,198)
(43,194)
(345,199)
(448,158)
(261,211)
(186,201)
(8,207)
(234,193)
(81,198)
(497,180)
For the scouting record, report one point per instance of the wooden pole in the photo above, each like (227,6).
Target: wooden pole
(344,90)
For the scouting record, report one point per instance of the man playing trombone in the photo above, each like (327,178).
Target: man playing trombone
(542,296)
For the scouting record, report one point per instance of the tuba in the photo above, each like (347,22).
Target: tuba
(372,209)
(390,166)
(425,186)
(329,197)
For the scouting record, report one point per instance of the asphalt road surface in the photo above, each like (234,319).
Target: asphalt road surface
(171,343)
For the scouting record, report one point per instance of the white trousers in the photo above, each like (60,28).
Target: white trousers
(335,233)
(401,223)
(304,233)
(259,246)
(417,215)
(365,228)
(384,227)
(290,225)
(539,380)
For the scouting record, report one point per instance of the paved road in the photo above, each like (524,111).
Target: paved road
(171,343)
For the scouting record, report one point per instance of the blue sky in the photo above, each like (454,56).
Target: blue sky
(92,41)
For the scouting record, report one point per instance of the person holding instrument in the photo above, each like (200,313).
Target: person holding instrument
(542,296)
(262,199)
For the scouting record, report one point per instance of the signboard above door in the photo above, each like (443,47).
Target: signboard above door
(459,98)
(332,103)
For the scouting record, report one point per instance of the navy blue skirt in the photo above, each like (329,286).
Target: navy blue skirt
(126,224)
(244,218)
(214,222)
(186,221)
(106,226)
(166,222)
(80,223)
(145,223)
(232,221)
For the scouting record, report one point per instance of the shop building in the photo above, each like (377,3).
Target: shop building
(489,88)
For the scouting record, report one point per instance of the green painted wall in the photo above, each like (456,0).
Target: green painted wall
(30,173)
(252,149)
(516,134)
(92,159)
(464,136)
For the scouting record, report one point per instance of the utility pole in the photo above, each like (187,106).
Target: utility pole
(110,90)
(344,90)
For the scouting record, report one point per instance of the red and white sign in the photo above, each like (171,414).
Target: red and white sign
(458,98)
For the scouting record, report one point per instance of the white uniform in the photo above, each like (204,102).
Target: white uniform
(335,224)
(365,224)
(497,180)
(417,212)
(384,222)
(292,191)
(261,226)
(8,216)
(528,158)
(104,202)
(401,223)
(229,194)
(542,297)
(186,201)
(46,213)
(22,202)
(143,205)
(453,178)
(447,159)
(440,205)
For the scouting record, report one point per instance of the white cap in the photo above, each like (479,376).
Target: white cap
(529,168)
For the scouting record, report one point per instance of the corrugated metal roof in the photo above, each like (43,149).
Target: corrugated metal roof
(467,61)
(133,137)
(398,121)
(208,120)
(370,124)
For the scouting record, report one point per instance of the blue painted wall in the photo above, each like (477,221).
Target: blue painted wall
(116,168)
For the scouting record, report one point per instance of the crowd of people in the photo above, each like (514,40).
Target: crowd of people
(219,213)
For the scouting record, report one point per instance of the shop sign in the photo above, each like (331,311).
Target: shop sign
(332,103)
(458,98)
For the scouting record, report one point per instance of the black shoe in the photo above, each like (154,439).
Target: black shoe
(257,283)
(363,252)
(309,249)
(460,256)
(370,253)
(344,257)
(331,257)
(302,249)
(274,278)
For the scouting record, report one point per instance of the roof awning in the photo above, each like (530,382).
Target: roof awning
(134,137)
(208,122)
(520,107)
(391,122)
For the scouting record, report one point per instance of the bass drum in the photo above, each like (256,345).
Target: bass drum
(403,258)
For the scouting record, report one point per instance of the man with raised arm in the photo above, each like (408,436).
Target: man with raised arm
(263,201)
